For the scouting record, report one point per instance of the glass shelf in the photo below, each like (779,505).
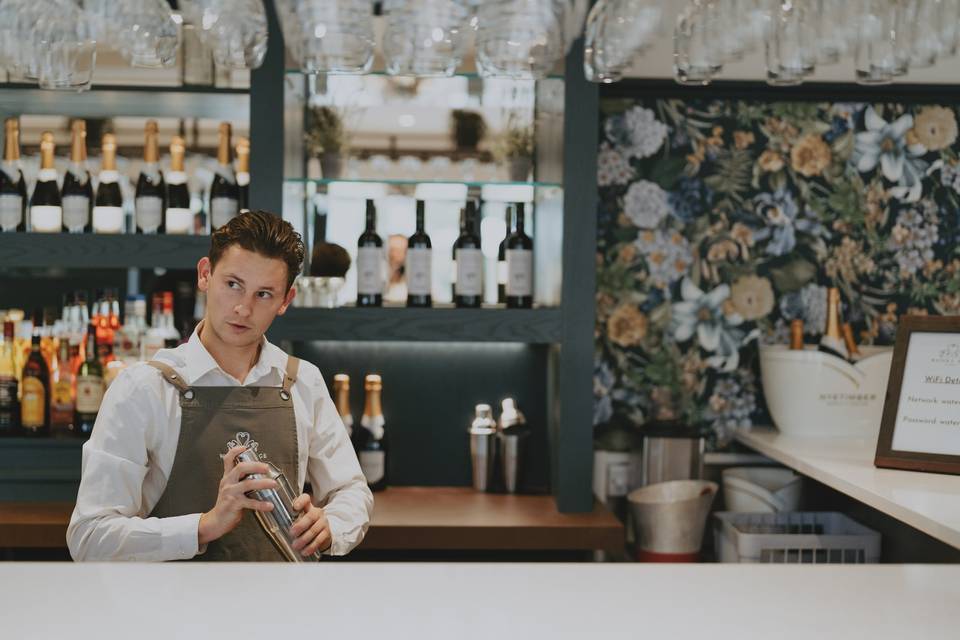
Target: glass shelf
(412,182)
(470,75)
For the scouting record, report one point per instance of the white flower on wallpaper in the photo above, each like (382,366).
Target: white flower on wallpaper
(646,204)
(637,132)
(667,254)
(612,167)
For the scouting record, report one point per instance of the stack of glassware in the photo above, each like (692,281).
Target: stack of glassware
(235,31)
(522,39)
(328,36)
(424,37)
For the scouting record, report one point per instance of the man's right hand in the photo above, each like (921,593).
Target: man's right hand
(231,499)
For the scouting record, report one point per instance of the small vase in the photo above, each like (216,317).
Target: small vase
(331,164)
(519,168)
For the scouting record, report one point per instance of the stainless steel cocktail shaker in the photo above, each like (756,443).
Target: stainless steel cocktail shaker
(483,447)
(276,523)
(513,434)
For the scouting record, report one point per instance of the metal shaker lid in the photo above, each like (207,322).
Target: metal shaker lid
(510,415)
(483,423)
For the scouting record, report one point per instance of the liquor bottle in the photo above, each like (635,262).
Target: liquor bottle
(370,268)
(796,334)
(373,451)
(341,393)
(502,259)
(77,191)
(108,206)
(89,388)
(13,188)
(171,336)
(179,216)
(61,392)
(155,337)
(35,390)
(224,193)
(243,174)
(46,210)
(419,265)
(850,342)
(832,341)
(468,261)
(519,254)
(9,385)
(151,191)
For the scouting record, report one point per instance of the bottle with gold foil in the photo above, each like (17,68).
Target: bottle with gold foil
(9,384)
(243,174)
(13,188)
(372,449)
(61,392)
(35,387)
(108,214)
(179,216)
(151,191)
(796,334)
(832,341)
(77,190)
(90,388)
(224,192)
(46,207)
(850,342)
(341,395)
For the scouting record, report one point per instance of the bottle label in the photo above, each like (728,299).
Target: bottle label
(89,393)
(519,272)
(33,402)
(109,176)
(46,218)
(179,220)
(370,271)
(61,402)
(243,178)
(222,211)
(8,402)
(149,213)
(469,272)
(176,177)
(373,465)
(419,270)
(76,212)
(11,211)
(502,272)
(107,219)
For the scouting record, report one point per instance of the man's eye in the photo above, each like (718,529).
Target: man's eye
(233,284)
(264,294)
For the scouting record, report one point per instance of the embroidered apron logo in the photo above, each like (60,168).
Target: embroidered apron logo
(243,439)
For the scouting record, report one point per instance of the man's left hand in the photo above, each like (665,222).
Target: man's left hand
(311,529)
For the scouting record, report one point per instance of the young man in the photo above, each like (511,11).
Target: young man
(160,479)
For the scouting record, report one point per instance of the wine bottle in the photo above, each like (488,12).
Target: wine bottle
(46,209)
(35,392)
(243,174)
(796,334)
(419,265)
(61,392)
(468,261)
(151,191)
(77,191)
(502,259)
(179,216)
(89,388)
(370,268)
(13,188)
(850,342)
(9,403)
(519,254)
(832,342)
(224,193)
(108,206)
(341,393)
(373,452)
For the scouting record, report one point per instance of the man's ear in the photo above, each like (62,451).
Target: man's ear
(291,294)
(204,269)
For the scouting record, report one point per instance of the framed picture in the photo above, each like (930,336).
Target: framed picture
(920,429)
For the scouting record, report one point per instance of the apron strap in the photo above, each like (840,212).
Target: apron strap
(293,365)
(170,375)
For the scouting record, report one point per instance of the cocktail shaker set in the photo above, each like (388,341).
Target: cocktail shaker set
(497,448)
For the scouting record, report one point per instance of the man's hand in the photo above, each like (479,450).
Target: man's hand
(311,528)
(231,500)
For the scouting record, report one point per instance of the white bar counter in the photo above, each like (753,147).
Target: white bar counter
(929,502)
(342,601)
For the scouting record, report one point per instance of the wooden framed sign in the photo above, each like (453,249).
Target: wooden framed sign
(920,429)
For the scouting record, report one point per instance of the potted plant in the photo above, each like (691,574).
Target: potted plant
(326,138)
(468,128)
(515,150)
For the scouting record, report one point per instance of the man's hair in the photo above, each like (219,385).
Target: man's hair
(264,233)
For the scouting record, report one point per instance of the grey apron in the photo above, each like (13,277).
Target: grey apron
(214,420)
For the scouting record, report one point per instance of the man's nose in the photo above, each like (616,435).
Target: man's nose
(243,309)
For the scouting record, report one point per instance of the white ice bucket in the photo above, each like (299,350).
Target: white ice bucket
(811,393)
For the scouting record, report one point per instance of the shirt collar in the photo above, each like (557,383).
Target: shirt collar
(198,362)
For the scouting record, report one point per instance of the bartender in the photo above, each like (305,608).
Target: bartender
(160,479)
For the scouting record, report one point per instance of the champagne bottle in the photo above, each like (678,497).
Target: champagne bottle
(151,191)
(373,451)
(850,342)
(179,217)
(796,334)
(89,388)
(13,188)
(468,261)
(370,267)
(419,264)
(832,342)
(502,259)
(61,393)
(108,206)
(77,191)
(341,393)
(9,403)
(243,174)
(46,209)
(35,393)
(224,193)
(519,254)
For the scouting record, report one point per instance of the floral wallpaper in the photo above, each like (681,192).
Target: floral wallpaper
(720,221)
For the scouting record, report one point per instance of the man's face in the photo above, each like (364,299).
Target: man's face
(245,292)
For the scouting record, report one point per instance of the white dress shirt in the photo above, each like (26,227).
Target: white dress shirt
(127,461)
